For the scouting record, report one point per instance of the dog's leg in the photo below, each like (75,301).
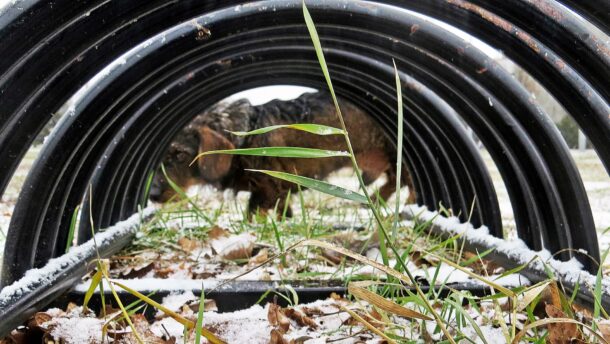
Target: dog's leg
(408,181)
(266,198)
(390,186)
(372,163)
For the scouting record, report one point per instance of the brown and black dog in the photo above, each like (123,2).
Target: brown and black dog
(375,154)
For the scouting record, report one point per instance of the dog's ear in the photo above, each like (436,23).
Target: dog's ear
(213,167)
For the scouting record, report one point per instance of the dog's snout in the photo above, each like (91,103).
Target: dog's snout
(155,194)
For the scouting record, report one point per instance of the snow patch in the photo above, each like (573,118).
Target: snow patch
(570,271)
(34,278)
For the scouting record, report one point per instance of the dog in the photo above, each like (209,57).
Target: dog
(208,131)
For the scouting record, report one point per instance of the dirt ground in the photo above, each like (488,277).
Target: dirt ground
(597,183)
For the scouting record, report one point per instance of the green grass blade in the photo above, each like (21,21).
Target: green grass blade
(597,307)
(317,129)
(278,239)
(95,281)
(318,47)
(459,309)
(317,185)
(398,150)
(280,152)
(200,317)
(72,228)
(149,181)
(184,196)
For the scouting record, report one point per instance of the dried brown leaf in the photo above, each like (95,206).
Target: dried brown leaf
(382,303)
(583,311)
(235,247)
(208,305)
(481,266)
(310,311)
(300,318)
(38,319)
(336,297)
(217,232)
(138,271)
(555,294)
(560,333)
(529,295)
(187,244)
(277,318)
(604,328)
(277,337)
(260,257)
(368,325)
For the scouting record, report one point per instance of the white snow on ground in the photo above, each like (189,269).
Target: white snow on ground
(77,255)
(251,325)
(174,301)
(570,271)
(88,330)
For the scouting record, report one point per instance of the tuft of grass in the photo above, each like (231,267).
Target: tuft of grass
(383,233)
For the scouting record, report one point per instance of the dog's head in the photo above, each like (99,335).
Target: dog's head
(203,134)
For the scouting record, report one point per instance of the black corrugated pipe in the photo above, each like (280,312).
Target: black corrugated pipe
(174,59)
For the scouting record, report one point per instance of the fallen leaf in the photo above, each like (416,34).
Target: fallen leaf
(136,271)
(208,305)
(187,244)
(300,318)
(336,296)
(234,247)
(481,266)
(529,295)
(38,319)
(310,311)
(357,289)
(604,328)
(277,318)
(260,257)
(583,311)
(217,232)
(300,340)
(560,333)
(332,256)
(277,338)
(555,294)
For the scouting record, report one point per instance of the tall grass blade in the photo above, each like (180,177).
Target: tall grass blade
(398,150)
(200,317)
(355,256)
(184,196)
(311,27)
(280,152)
(317,129)
(149,181)
(380,302)
(317,185)
(72,228)
(95,281)
(182,320)
(368,325)
(530,294)
(383,234)
(492,284)
(597,307)
(473,323)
